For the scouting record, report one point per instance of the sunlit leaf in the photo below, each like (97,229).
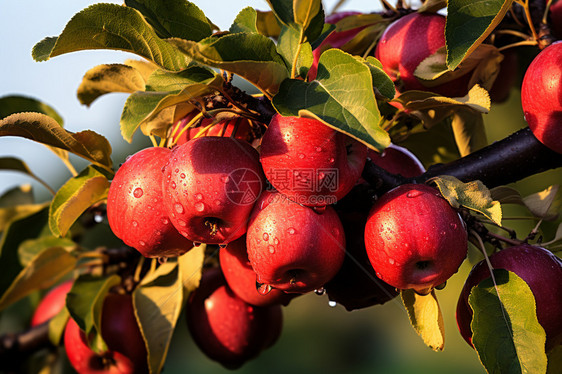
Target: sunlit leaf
(246,21)
(288,47)
(164,80)
(426,317)
(381,81)
(470,134)
(16,104)
(541,203)
(305,11)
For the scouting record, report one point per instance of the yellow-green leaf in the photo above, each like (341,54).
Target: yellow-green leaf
(426,317)
(472,195)
(305,10)
(468,127)
(74,197)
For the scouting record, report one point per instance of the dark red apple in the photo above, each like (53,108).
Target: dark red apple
(556,19)
(540,269)
(222,128)
(397,160)
(241,278)
(309,162)
(293,247)
(226,328)
(406,43)
(134,206)
(541,96)
(210,185)
(414,238)
(53,302)
(126,349)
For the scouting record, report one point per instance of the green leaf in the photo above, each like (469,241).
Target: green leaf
(74,197)
(251,56)
(111,26)
(137,107)
(85,303)
(426,317)
(472,195)
(13,213)
(506,332)
(342,97)
(20,195)
(107,78)
(45,130)
(57,324)
(288,47)
(174,18)
(18,230)
(468,24)
(470,134)
(191,267)
(163,80)
(44,270)
(16,104)
(305,11)
(432,6)
(246,21)
(381,81)
(283,10)
(30,248)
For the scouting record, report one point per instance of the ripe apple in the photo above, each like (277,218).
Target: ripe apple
(408,41)
(126,349)
(541,96)
(397,160)
(53,302)
(293,247)
(414,238)
(334,40)
(540,269)
(210,185)
(222,128)
(356,285)
(241,278)
(226,328)
(309,162)
(134,206)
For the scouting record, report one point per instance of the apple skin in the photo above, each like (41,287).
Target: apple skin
(134,206)
(53,302)
(244,131)
(541,96)
(540,269)
(414,238)
(126,350)
(397,160)
(300,156)
(409,40)
(226,328)
(556,19)
(291,247)
(210,185)
(241,277)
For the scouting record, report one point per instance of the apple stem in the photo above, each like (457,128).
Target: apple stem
(213,229)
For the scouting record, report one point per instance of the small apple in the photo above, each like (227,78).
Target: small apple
(540,269)
(408,41)
(293,247)
(226,328)
(53,302)
(222,128)
(134,206)
(414,238)
(397,160)
(309,162)
(210,185)
(126,349)
(541,96)
(241,278)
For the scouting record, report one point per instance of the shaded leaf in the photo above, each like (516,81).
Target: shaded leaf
(432,6)
(108,78)
(468,25)
(426,317)
(506,333)
(506,195)
(342,97)
(246,21)
(111,26)
(30,248)
(174,18)
(470,134)
(45,130)
(305,11)
(16,104)
(472,195)
(74,197)
(163,80)
(20,195)
(15,164)
(541,203)
(554,360)
(85,302)
(381,81)
(13,213)
(267,24)
(57,325)
(43,271)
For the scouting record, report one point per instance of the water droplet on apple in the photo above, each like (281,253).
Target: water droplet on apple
(262,288)
(142,243)
(276,241)
(443,233)
(182,223)
(138,192)
(320,291)
(196,244)
(177,170)
(199,207)
(321,175)
(265,236)
(179,208)
(198,196)
(332,303)
(271,249)
(320,209)
(165,220)
(162,260)
(134,223)
(158,233)
(414,193)
(318,149)
(173,185)
(453,226)
(391,261)
(224,179)
(218,202)
(301,156)
(331,160)
(223,245)
(182,175)
(291,230)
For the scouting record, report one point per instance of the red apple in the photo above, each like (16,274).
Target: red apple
(126,349)
(134,206)
(397,160)
(540,269)
(210,186)
(222,128)
(556,19)
(541,96)
(293,247)
(406,43)
(414,238)
(241,278)
(226,328)
(309,162)
(53,302)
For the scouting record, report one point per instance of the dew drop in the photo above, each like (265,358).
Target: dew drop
(223,245)
(198,196)
(265,236)
(271,249)
(128,157)
(182,223)
(158,233)
(443,233)
(320,291)
(224,179)
(301,156)
(391,261)
(173,185)
(318,149)
(331,160)
(291,230)
(162,260)
(182,175)
(165,220)
(321,175)
(332,303)
(196,244)
(320,209)
(134,223)
(414,193)
(178,208)
(177,170)
(453,226)
(218,202)
(98,218)
(138,192)
(262,288)
(276,241)
(199,207)
(142,243)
